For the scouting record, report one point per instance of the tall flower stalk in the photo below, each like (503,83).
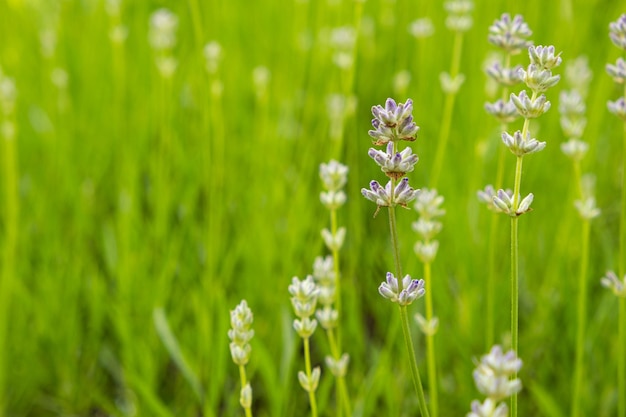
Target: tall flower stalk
(511,36)
(304,294)
(428,204)
(572,109)
(459,21)
(393,124)
(538,78)
(327,273)
(617,34)
(240,335)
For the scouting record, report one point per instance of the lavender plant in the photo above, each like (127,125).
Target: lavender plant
(334,176)
(573,121)
(510,35)
(393,124)
(428,206)
(538,78)
(304,295)
(617,34)
(459,21)
(240,335)
(493,379)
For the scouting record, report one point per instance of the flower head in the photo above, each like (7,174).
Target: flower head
(618,107)
(612,282)
(510,34)
(411,289)
(520,145)
(617,71)
(394,122)
(402,194)
(492,375)
(505,112)
(394,164)
(527,108)
(544,57)
(617,32)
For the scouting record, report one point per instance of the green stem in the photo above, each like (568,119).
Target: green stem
(514,300)
(417,383)
(336,269)
(582,314)
(244,381)
(621,269)
(9,250)
(446,121)
(515,272)
(342,396)
(307,367)
(430,344)
(196,20)
(621,358)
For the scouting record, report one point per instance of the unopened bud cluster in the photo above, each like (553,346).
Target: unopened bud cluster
(162,36)
(428,206)
(572,108)
(240,333)
(617,33)
(511,36)
(493,379)
(459,15)
(324,274)
(304,295)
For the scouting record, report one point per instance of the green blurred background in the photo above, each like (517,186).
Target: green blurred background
(139,203)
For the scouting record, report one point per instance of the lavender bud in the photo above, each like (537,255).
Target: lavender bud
(520,145)
(510,34)
(617,71)
(618,108)
(612,282)
(528,108)
(504,112)
(544,57)
(617,32)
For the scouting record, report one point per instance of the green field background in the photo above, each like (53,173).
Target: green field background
(147,209)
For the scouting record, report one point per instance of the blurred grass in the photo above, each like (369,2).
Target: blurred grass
(241,214)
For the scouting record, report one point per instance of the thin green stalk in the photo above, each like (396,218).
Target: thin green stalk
(343,396)
(621,357)
(493,228)
(514,300)
(446,121)
(196,19)
(340,389)
(582,314)
(417,382)
(244,381)
(492,249)
(307,367)
(335,254)
(621,268)
(430,344)
(9,249)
